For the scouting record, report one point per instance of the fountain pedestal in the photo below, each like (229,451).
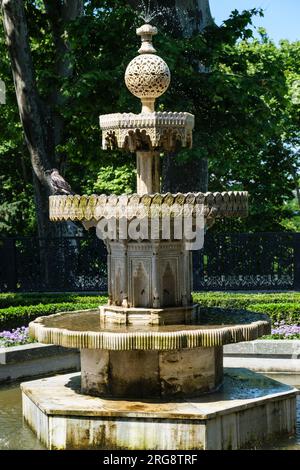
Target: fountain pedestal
(157,374)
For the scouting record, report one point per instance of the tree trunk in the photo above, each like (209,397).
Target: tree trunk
(30,107)
(42,129)
(297,189)
(186,18)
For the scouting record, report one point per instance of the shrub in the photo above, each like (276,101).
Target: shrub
(14,317)
(232,300)
(287,312)
(19,309)
(17,299)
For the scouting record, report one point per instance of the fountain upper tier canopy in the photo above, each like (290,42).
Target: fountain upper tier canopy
(147,77)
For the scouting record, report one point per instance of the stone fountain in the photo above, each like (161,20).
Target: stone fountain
(151,360)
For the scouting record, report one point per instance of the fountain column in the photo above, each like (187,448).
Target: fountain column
(148,172)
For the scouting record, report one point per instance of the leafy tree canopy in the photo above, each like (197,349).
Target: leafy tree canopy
(245,95)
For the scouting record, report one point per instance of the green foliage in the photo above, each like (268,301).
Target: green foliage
(282,306)
(13,317)
(19,309)
(292,223)
(278,336)
(17,299)
(232,300)
(288,312)
(247,116)
(117,180)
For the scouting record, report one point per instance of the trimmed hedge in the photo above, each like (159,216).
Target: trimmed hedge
(281,306)
(14,317)
(230,300)
(18,310)
(11,300)
(208,299)
(288,312)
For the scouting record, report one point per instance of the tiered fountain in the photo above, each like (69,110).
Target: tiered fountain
(151,360)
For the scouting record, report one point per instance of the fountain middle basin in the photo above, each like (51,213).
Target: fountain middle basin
(137,361)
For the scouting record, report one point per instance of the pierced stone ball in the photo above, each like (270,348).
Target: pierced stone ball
(147,76)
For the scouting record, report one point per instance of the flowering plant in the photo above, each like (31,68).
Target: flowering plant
(283,331)
(15,337)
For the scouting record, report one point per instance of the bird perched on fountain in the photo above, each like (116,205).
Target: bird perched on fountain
(58,184)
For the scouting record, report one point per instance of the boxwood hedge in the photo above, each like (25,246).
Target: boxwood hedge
(14,317)
(14,300)
(288,312)
(233,300)
(19,309)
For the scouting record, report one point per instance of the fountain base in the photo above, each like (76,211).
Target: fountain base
(248,410)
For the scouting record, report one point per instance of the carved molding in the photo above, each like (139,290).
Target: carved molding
(94,208)
(147,131)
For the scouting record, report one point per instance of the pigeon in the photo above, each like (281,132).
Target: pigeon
(58,184)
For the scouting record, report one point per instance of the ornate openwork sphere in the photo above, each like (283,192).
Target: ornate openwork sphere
(147,76)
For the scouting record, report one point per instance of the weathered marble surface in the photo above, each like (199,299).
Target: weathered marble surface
(83,330)
(248,410)
(97,207)
(140,374)
(146,132)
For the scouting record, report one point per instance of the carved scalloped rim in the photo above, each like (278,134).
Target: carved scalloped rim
(140,340)
(94,207)
(146,120)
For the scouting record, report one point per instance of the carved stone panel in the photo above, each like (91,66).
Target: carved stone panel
(117,273)
(170,289)
(149,274)
(141,283)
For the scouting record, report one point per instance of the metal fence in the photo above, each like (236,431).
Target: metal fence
(235,261)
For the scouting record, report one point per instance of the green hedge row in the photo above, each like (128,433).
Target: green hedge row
(14,317)
(19,309)
(11,300)
(288,312)
(231,300)
(209,299)
(278,307)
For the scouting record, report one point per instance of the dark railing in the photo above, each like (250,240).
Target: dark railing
(255,261)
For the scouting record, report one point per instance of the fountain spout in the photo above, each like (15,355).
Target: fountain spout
(146,32)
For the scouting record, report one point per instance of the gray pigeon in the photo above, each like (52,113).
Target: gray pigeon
(58,184)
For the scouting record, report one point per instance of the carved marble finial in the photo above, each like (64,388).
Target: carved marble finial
(146,32)
(147,76)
